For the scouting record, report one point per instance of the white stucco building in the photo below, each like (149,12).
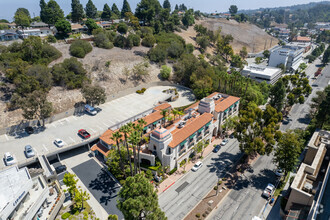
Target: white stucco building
(290,56)
(262,73)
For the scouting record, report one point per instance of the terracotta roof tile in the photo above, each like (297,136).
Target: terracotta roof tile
(106,136)
(226,103)
(162,106)
(76,26)
(100,148)
(151,118)
(192,106)
(181,134)
(300,38)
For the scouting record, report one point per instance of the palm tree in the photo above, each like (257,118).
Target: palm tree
(126,129)
(180,113)
(164,113)
(142,123)
(134,139)
(175,113)
(116,136)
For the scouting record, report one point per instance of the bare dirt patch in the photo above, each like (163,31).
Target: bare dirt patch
(244,34)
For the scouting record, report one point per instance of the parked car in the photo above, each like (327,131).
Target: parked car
(224,142)
(157,178)
(29,152)
(29,130)
(9,159)
(197,165)
(268,190)
(60,169)
(83,133)
(216,149)
(90,110)
(279,172)
(59,142)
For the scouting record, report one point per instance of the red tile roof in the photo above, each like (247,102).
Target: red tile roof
(226,103)
(300,38)
(100,148)
(162,106)
(180,134)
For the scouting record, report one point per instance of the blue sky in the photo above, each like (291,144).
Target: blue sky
(8,7)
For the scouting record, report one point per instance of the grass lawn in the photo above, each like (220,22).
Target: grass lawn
(281,185)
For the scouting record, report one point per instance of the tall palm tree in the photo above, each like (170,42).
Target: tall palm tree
(175,113)
(134,139)
(164,113)
(116,136)
(126,129)
(141,123)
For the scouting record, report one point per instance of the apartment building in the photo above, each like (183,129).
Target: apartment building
(262,73)
(173,141)
(310,178)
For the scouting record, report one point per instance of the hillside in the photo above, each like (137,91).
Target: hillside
(244,34)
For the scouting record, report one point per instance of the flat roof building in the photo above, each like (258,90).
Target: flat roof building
(262,73)
(290,56)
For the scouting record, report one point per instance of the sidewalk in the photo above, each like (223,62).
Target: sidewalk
(171,179)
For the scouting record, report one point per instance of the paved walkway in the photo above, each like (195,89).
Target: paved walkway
(180,172)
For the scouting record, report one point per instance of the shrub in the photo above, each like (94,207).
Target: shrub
(135,39)
(215,188)
(107,64)
(220,182)
(148,41)
(80,48)
(101,40)
(158,54)
(143,89)
(65,215)
(172,171)
(122,28)
(145,31)
(120,41)
(204,215)
(165,72)
(190,48)
(122,182)
(198,215)
(51,39)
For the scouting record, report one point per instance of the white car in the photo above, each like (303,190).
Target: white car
(59,142)
(197,165)
(9,159)
(279,172)
(269,190)
(224,142)
(29,152)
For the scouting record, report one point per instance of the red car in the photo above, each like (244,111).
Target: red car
(83,133)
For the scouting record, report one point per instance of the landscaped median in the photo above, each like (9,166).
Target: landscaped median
(220,190)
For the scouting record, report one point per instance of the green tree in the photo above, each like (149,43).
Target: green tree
(277,95)
(79,48)
(117,137)
(36,106)
(63,27)
(167,4)
(22,17)
(289,147)
(43,6)
(94,95)
(188,19)
(165,72)
(101,40)
(77,11)
(203,42)
(243,53)
(138,200)
(233,10)
(266,53)
(122,28)
(53,13)
(79,198)
(126,8)
(326,56)
(148,41)
(134,139)
(91,10)
(70,181)
(258,60)
(42,74)
(115,10)
(91,25)
(146,10)
(106,14)
(135,39)
(112,217)
(126,129)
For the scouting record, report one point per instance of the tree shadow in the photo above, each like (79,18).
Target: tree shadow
(79,109)
(140,53)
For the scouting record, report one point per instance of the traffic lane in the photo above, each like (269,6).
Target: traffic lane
(198,183)
(245,200)
(100,184)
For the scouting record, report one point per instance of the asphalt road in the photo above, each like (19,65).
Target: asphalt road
(100,184)
(245,201)
(182,196)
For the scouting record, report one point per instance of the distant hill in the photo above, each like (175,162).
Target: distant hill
(291,8)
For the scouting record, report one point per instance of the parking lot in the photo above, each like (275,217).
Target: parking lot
(66,129)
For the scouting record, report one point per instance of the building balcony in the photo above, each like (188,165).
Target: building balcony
(182,152)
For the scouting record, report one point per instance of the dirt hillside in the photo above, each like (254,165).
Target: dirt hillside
(244,34)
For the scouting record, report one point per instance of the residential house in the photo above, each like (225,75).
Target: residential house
(78,28)
(7,35)
(40,24)
(40,32)
(310,181)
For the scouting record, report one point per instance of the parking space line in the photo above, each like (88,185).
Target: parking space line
(53,124)
(75,118)
(72,139)
(6,137)
(105,124)
(45,147)
(93,130)
(100,128)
